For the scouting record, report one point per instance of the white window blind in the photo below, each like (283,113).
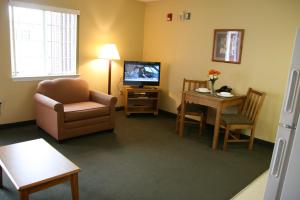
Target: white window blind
(43,40)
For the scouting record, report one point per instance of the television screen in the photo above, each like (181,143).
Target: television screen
(141,73)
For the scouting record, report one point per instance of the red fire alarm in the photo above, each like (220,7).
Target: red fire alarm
(169,17)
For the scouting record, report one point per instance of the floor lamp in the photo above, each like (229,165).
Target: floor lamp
(109,52)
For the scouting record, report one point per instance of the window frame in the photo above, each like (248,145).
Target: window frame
(13,3)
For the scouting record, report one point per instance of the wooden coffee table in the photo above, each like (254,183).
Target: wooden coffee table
(35,165)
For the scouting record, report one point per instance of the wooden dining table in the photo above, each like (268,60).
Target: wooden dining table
(210,100)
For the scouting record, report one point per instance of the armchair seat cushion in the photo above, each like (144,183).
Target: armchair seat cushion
(84,110)
(229,119)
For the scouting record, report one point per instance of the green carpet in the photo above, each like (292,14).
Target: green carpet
(145,159)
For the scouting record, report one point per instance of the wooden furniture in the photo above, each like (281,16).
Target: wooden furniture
(245,119)
(141,100)
(35,165)
(219,103)
(192,109)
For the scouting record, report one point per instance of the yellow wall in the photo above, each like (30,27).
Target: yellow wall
(120,22)
(101,21)
(185,48)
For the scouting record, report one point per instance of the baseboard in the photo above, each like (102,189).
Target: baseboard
(17,124)
(119,108)
(264,142)
(164,112)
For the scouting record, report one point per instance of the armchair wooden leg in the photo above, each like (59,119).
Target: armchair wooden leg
(251,140)
(226,139)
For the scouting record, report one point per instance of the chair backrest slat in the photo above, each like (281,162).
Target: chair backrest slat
(253,104)
(255,101)
(189,85)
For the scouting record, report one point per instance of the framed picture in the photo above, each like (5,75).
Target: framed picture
(228,44)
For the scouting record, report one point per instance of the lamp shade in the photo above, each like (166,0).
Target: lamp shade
(109,52)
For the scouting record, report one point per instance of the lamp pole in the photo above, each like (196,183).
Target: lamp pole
(109,52)
(109,78)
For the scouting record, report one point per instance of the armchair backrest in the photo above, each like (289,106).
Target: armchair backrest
(65,90)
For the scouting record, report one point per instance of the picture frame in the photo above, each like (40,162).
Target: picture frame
(228,45)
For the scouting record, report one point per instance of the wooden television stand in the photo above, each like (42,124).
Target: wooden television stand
(141,100)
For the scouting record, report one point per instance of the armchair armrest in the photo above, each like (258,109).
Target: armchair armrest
(48,102)
(103,98)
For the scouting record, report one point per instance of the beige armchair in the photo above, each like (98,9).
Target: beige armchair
(66,108)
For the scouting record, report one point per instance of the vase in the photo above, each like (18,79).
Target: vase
(212,86)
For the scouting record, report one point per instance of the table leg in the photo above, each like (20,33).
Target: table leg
(217,127)
(181,120)
(24,195)
(1,177)
(74,186)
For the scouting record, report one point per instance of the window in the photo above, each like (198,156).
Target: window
(43,40)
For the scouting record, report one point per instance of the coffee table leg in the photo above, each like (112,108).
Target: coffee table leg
(74,186)
(24,195)
(1,178)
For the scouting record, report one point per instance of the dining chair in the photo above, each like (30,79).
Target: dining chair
(245,119)
(192,109)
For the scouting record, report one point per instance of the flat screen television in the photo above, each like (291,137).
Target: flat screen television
(141,74)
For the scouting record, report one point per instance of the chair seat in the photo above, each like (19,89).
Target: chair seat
(84,110)
(230,119)
(193,108)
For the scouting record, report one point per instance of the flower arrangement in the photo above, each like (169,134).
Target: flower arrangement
(213,76)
